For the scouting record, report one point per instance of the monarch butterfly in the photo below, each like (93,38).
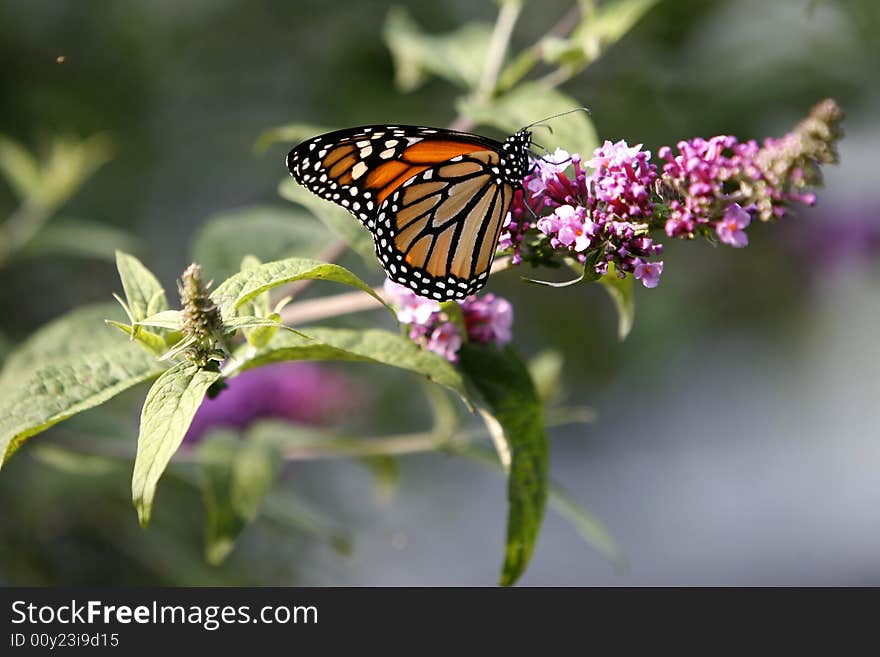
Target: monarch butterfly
(434,200)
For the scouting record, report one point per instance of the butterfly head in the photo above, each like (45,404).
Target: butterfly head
(515,154)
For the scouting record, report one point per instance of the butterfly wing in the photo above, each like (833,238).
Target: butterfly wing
(437,233)
(359,168)
(434,200)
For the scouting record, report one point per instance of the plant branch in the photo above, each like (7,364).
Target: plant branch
(507,17)
(303,312)
(557,76)
(330,447)
(330,254)
(347,303)
(498,43)
(528,58)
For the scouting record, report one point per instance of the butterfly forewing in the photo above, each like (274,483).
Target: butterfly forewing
(434,200)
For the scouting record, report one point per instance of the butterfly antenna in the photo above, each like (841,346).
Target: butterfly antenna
(556,116)
(538,156)
(567,160)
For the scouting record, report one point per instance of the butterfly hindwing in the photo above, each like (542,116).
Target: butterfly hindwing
(437,233)
(434,200)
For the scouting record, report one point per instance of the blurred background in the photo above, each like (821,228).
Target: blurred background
(735,439)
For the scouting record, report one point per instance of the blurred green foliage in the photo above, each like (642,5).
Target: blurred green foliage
(185,91)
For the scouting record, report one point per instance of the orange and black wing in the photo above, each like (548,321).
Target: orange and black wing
(434,200)
(438,232)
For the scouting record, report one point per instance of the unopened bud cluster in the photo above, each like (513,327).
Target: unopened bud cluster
(202,323)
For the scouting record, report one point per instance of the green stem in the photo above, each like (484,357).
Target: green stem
(396,445)
(331,254)
(529,58)
(347,303)
(557,77)
(507,17)
(498,43)
(330,447)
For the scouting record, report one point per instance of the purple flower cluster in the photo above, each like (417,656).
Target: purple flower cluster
(723,183)
(699,176)
(487,320)
(601,211)
(517,224)
(604,210)
(298,392)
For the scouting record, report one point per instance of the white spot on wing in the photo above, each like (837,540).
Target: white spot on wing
(358,170)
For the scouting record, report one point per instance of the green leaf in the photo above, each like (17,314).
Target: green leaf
(621,292)
(599,28)
(372,345)
(71,161)
(245,285)
(143,292)
(249,261)
(83,239)
(546,371)
(259,305)
(456,56)
(79,331)
(69,365)
(258,322)
(236,475)
(605,26)
(336,218)
(507,390)
(249,321)
(269,233)
(165,319)
(75,463)
(58,388)
(259,335)
(20,168)
(259,330)
(530,102)
(292,133)
(167,413)
(152,341)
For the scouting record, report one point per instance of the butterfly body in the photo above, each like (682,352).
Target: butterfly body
(434,200)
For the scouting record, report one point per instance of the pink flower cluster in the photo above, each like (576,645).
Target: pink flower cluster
(487,320)
(296,392)
(702,174)
(602,210)
(518,222)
